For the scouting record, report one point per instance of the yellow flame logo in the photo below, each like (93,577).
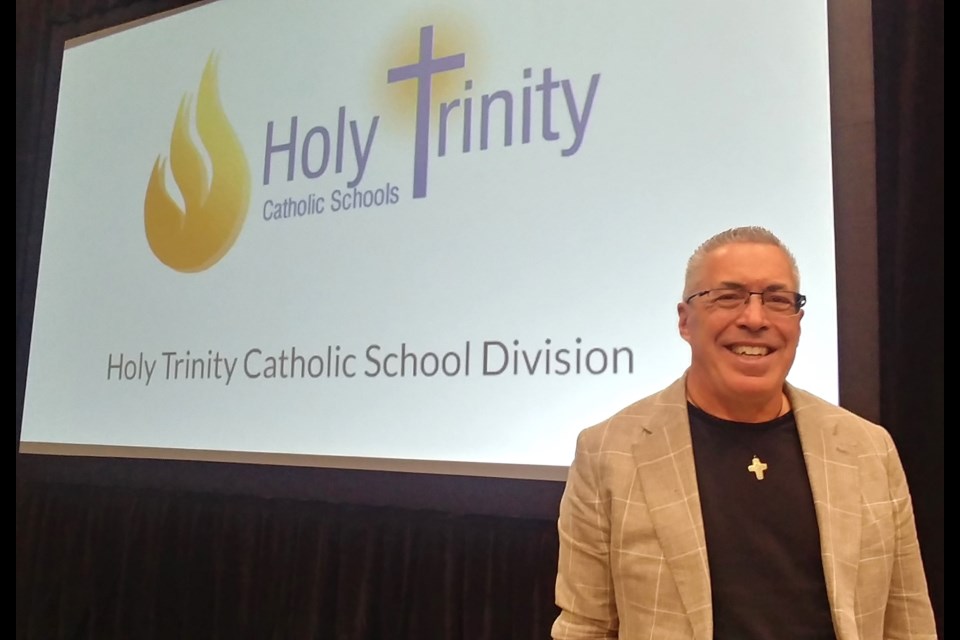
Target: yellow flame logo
(196,237)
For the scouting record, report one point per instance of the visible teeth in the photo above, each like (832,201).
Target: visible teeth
(745,350)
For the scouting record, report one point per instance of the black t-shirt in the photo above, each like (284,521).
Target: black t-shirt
(763,542)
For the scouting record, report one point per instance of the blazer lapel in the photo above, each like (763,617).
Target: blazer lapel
(832,467)
(664,457)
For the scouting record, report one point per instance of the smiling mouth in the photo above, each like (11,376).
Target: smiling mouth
(750,350)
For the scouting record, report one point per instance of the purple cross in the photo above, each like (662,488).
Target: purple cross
(422,70)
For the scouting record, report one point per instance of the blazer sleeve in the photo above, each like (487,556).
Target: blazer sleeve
(909,613)
(584,590)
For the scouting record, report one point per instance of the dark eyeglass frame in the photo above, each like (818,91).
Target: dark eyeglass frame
(800,298)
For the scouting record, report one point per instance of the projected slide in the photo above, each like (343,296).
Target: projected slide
(410,235)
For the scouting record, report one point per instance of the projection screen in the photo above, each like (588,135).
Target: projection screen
(421,236)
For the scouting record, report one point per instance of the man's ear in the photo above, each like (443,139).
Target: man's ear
(683,313)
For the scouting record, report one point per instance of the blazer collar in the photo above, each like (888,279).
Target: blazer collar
(831,457)
(664,457)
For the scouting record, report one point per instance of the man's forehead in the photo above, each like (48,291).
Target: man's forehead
(746,264)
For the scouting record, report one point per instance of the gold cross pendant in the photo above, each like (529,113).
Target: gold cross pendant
(757,467)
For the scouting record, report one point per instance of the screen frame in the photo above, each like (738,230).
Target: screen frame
(471,491)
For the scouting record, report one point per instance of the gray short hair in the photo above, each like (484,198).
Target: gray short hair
(756,235)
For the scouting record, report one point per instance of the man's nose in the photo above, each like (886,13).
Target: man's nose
(753,315)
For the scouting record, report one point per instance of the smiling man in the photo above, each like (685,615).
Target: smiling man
(732,505)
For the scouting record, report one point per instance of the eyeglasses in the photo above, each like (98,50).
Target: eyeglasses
(786,303)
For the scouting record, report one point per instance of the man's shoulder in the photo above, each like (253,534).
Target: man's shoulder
(808,407)
(622,428)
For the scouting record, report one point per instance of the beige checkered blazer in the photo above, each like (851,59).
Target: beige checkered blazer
(633,562)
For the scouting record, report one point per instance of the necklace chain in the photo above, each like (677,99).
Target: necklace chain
(781,410)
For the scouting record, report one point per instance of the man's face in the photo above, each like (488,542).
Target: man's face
(742,354)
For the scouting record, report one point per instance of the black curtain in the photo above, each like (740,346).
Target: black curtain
(108,562)
(908,76)
(98,559)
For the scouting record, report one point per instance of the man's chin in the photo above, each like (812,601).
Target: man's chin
(755,386)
